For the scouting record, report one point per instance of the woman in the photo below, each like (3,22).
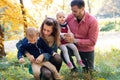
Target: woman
(50,33)
(49,28)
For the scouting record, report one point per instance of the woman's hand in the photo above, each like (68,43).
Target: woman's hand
(39,59)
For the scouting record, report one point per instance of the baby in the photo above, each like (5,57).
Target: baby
(64,31)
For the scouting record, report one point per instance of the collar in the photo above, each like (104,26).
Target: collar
(63,25)
(83,19)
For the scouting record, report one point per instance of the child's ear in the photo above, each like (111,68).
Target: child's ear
(38,34)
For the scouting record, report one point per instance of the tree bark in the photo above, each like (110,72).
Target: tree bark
(2,51)
(89,6)
(23,13)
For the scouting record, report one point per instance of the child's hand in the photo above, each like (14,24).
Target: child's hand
(67,35)
(39,59)
(69,38)
(31,58)
(21,60)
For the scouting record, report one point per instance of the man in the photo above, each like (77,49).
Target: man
(85,30)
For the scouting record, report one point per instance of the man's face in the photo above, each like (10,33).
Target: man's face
(77,12)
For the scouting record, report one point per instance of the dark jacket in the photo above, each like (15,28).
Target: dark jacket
(40,47)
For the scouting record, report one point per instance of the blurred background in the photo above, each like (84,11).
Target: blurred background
(17,15)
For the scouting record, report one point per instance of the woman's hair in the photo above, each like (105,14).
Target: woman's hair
(55,26)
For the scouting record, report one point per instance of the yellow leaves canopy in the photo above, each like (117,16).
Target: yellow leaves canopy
(11,12)
(11,16)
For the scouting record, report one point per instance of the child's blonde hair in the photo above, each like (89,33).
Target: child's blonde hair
(31,31)
(59,12)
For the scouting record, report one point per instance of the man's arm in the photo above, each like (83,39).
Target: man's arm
(92,36)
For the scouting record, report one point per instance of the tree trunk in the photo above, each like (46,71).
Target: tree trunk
(23,13)
(89,6)
(2,51)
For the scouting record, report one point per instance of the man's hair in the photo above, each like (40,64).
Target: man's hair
(79,3)
(30,31)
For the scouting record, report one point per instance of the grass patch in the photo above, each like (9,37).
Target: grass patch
(107,66)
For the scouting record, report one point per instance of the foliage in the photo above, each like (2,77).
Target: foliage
(10,69)
(109,9)
(12,19)
(110,24)
(107,66)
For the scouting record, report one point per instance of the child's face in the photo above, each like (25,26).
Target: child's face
(61,18)
(32,39)
(47,30)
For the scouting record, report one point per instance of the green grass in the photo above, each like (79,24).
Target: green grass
(107,67)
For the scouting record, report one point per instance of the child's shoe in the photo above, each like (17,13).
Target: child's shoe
(69,64)
(80,63)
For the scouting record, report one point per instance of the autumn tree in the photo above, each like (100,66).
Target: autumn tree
(11,12)
(2,52)
(15,15)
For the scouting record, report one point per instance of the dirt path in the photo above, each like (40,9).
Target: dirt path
(108,40)
(105,41)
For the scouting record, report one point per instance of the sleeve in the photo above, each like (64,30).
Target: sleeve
(47,56)
(92,34)
(21,51)
(55,47)
(19,43)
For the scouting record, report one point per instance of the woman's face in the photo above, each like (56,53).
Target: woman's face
(47,30)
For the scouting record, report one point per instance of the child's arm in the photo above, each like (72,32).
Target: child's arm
(20,43)
(39,59)
(20,55)
(69,31)
(19,47)
(30,57)
(21,51)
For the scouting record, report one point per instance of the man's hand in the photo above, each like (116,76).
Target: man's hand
(21,60)
(39,59)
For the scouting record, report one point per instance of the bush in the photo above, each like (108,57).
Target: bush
(12,70)
(106,66)
(110,24)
